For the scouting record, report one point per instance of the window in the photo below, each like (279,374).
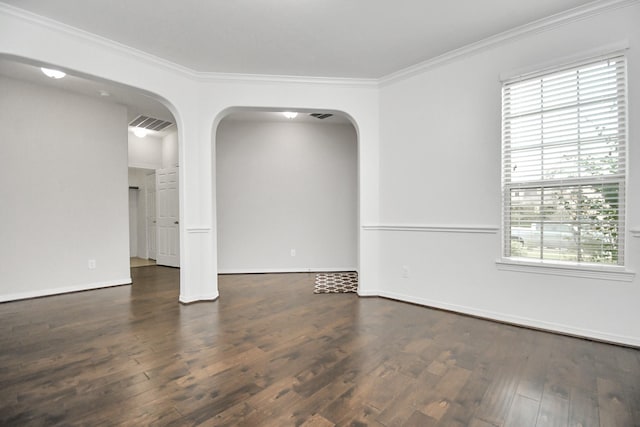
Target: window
(564,157)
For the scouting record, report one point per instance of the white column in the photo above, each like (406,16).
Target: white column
(198,273)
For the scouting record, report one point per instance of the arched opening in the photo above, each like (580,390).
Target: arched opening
(82,203)
(286,191)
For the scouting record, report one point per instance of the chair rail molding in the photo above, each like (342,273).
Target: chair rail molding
(198,230)
(433,228)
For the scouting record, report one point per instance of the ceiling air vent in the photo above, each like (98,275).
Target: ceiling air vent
(149,123)
(321,116)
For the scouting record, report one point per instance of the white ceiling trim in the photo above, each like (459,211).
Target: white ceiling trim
(93,38)
(269,78)
(582,12)
(541,25)
(172,66)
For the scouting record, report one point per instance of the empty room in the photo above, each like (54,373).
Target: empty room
(358,213)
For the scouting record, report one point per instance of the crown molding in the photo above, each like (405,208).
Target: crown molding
(68,30)
(545,24)
(207,77)
(274,78)
(541,25)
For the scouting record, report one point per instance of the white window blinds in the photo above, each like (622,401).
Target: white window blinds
(564,157)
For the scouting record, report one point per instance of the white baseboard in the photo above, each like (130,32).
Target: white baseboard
(363,293)
(283,270)
(516,320)
(65,290)
(195,298)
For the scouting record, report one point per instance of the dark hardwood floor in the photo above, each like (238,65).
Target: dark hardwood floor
(271,353)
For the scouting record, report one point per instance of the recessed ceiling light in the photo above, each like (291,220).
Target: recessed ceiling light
(54,74)
(104,93)
(140,133)
(290,115)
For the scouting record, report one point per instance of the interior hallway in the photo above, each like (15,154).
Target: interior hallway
(141,262)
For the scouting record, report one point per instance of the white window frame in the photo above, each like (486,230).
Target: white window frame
(576,269)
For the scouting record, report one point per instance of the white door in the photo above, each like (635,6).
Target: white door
(150,185)
(168,243)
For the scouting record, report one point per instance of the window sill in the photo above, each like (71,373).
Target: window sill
(564,269)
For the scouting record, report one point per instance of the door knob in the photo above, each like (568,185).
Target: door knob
(176,222)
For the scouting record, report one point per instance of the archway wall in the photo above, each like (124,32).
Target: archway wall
(358,100)
(198,102)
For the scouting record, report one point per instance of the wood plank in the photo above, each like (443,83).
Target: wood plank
(612,406)
(271,353)
(554,409)
(317,421)
(583,409)
(523,412)
(418,419)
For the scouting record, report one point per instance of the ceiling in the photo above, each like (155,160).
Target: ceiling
(136,102)
(277,116)
(326,38)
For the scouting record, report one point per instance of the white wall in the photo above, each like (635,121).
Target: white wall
(440,169)
(151,152)
(64,196)
(170,150)
(145,152)
(407,132)
(284,186)
(198,101)
(136,176)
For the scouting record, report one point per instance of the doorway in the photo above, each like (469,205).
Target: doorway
(286,192)
(154,232)
(142,214)
(153,167)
